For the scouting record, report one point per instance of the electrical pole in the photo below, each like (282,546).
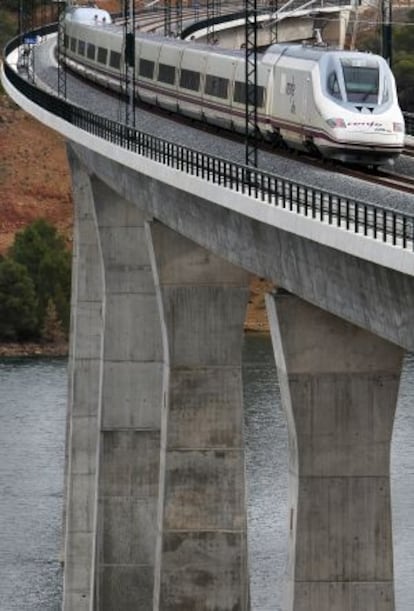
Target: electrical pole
(179,17)
(251,129)
(274,7)
(25,58)
(167,18)
(211,14)
(129,61)
(386,21)
(61,47)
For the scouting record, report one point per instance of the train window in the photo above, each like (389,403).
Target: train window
(217,86)
(90,51)
(239,95)
(166,74)
(361,83)
(146,68)
(115,59)
(81,47)
(190,79)
(102,55)
(66,41)
(73,42)
(333,86)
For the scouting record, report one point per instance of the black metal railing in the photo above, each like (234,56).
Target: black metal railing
(384,224)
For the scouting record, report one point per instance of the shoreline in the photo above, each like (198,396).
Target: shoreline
(33,349)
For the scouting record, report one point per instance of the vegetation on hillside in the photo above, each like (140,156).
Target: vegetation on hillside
(403,57)
(35,282)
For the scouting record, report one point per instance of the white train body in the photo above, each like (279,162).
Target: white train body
(342,104)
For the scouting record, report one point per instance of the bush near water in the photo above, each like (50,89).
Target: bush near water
(35,283)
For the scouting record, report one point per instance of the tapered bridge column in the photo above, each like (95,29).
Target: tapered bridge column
(131,410)
(115,400)
(84,399)
(201,554)
(339,387)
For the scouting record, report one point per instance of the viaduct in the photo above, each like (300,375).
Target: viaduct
(164,244)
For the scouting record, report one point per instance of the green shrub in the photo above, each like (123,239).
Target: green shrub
(43,253)
(18,304)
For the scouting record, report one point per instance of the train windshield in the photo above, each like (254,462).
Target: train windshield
(361,82)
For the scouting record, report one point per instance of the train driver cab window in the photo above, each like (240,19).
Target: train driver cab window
(333,86)
(361,83)
(73,42)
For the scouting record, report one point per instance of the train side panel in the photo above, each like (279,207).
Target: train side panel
(294,107)
(191,75)
(218,88)
(105,60)
(167,76)
(146,61)
(264,98)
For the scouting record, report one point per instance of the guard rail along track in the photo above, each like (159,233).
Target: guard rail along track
(379,223)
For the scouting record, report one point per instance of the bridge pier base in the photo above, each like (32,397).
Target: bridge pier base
(339,386)
(202,540)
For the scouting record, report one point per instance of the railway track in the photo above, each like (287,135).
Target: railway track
(380,176)
(409,149)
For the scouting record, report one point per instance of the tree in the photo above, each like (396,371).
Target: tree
(52,330)
(44,254)
(18,304)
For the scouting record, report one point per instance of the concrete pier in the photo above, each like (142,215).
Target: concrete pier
(339,387)
(131,410)
(84,401)
(202,540)
(114,447)
(153,525)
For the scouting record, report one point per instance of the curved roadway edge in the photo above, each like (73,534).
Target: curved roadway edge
(355,277)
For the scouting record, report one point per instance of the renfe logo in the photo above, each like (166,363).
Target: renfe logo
(372,126)
(363,124)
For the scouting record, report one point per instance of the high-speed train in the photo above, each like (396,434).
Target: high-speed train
(341,104)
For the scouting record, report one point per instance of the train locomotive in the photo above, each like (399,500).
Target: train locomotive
(341,104)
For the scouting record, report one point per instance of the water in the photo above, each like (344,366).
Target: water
(32,431)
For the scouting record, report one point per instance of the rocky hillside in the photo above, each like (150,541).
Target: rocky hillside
(34,176)
(35,182)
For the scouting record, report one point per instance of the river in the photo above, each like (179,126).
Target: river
(32,439)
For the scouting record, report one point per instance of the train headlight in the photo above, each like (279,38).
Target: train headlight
(336,123)
(398,127)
